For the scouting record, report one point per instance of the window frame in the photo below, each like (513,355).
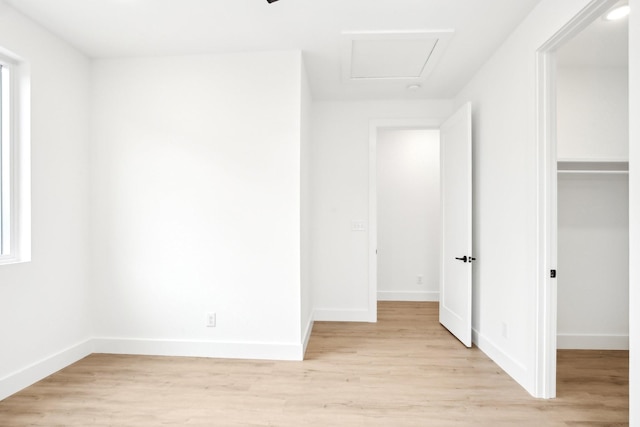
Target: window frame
(15,215)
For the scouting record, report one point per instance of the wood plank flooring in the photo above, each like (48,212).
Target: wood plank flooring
(406,370)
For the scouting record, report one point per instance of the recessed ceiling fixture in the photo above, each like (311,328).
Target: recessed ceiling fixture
(271,1)
(618,12)
(413,87)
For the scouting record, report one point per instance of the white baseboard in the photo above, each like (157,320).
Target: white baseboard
(422,296)
(307,334)
(328,315)
(221,350)
(592,342)
(514,368)
(35,372)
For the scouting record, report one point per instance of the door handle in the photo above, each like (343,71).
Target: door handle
(463,259)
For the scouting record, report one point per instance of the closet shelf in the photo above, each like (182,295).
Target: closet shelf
(593,166)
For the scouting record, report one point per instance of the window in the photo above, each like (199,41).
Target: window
(14,149)
(5,164)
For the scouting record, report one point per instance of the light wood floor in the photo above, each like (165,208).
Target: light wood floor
(406,370)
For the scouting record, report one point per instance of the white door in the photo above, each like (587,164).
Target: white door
(455,270)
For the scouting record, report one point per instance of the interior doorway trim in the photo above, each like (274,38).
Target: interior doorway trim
(546,290)
(374,126)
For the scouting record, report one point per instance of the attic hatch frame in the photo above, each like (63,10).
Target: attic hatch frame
(441,39)
(546,149)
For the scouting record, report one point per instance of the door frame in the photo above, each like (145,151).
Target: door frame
(374,127)
(546,289)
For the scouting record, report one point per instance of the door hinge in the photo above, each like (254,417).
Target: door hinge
(553,274)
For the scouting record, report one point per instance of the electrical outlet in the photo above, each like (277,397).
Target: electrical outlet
(211,320)
(419,279)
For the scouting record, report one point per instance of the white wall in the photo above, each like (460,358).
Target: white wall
(593,209)
(593,106)
(503,93)
(408,186)
(593,261)
(196,201)
(634,214)
(340,182)
(44,307)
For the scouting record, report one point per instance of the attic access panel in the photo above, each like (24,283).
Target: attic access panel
(392,55)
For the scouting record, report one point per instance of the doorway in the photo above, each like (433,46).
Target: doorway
(456,231)
(376,126)
(408,214)
(550,150)
(593,188)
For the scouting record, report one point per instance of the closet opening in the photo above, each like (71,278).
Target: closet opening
(583,295)
(592,152)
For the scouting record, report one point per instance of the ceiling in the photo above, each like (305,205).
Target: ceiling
(126,28)
(602,44)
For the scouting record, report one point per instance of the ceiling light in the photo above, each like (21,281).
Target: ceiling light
(413,87)
(618,13)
